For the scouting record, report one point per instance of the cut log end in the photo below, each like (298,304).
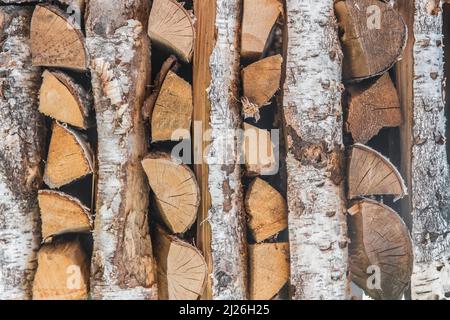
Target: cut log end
(380,248)
(176,191)
(171,27)
(258,151)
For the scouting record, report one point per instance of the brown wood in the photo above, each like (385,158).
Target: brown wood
(266,209)
(258,151)
(369,48)
(56,41)
(171,27)
(380,238)
(373,105)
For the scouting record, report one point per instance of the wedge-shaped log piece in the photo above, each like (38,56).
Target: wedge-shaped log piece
(63,272)
(370,173)
(373,37)
(176,190)
(258,21)
(172,114)
(171,27)
(269,269)
(55,40)
(267,210)
(258,151)
(373,105)
(182,270)
(69,158)
(62,213)
(380,248)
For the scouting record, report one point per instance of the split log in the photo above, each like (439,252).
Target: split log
(370,174)
(172,27)
(63,272)
(261,80)
(62,214)
(123,265)
(62,99)
(258,20)
(70,157)
(313,121)
(425,160)
(177,195)
(182,270)
(22,145)
(61,45)
(258,150)
(267,210)
(373,37)
(372,106)
(269,269)
(381,256)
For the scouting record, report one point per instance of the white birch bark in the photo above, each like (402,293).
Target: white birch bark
(122,264)
(313,121)
(430,194)
(226,216)
(21,150)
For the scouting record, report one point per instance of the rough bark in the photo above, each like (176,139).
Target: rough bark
(226,214)
(123,266)
(21,151)
(313,120)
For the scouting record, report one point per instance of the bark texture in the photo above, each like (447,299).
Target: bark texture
(21,152)
(226,214)
(123,266)
(313,120)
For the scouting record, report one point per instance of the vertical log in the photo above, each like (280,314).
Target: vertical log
(122,266)
(21,151)
(313,120)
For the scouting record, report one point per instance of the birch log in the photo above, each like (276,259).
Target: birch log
(123,266)
(313,120)
(226,216)
(21,151)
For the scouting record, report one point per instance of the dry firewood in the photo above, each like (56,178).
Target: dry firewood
(370,173)
(269,269)
(380,247)
(258,151)
(182,270)
(63,272)
(176,190)
(56,41)
(70,157)
(62,213)
(267,210)
(259,17)
(372,106)
(373,37)
(171,27)
(261,80)
(62,99)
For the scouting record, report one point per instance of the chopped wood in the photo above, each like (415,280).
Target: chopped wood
(172,114)
(373,37)
(172,27)
(176,190)
(62,99)
(267,210)
(370,174)
(380,247)
(269,269)
(373,105)
(182,270)
(258,151)
(63,272)
(70,157)
(56,41)
(259,17)
(62,214)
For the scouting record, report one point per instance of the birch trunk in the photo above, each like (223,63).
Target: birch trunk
(226,216)
(21,151)
(122,265)
(313,120)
